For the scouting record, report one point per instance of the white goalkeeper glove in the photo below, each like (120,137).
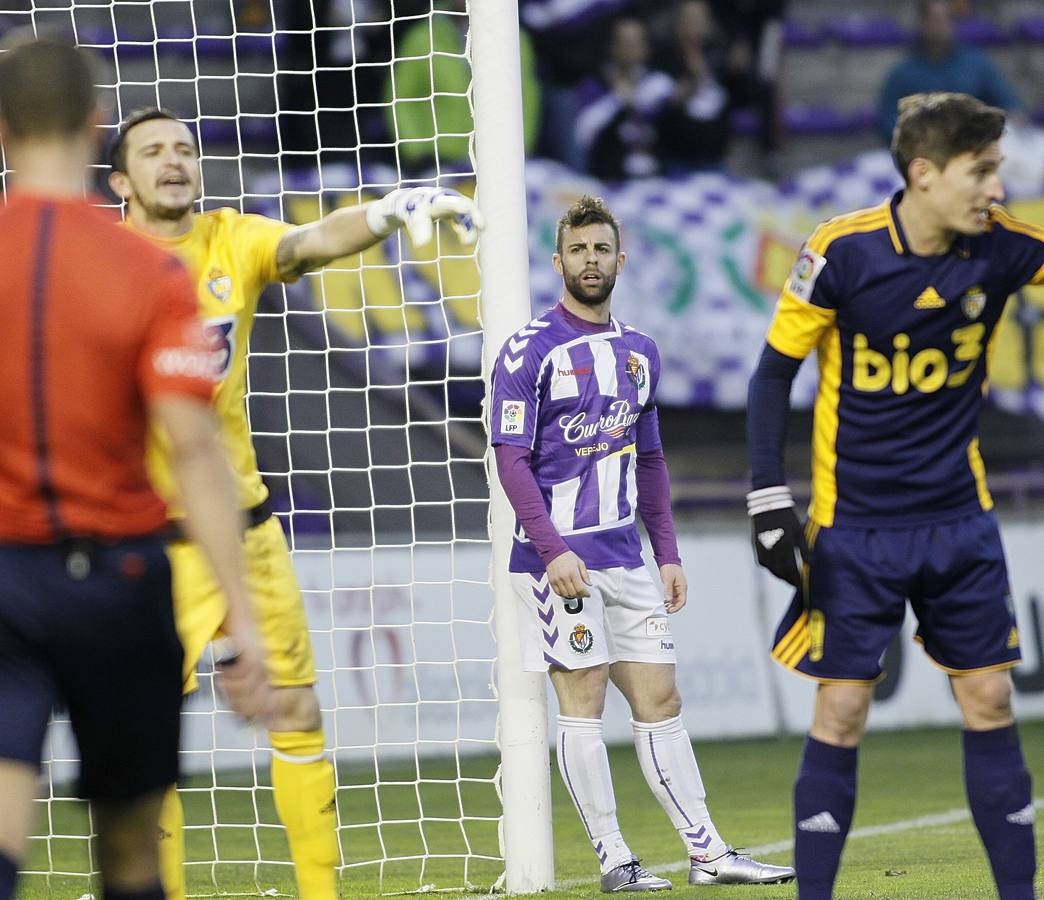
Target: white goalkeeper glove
(419,208)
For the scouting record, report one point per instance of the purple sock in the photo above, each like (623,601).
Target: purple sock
(8,876)
(1001,799)
(824,802)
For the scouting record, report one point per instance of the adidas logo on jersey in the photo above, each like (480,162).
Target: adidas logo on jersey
(929,298)
(1025,816)
(821,822)
(769,539)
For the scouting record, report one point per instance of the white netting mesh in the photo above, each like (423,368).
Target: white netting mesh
(364,400)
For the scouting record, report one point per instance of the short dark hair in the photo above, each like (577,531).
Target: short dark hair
(47,87)
(940,126)
(587,210)
(118,144)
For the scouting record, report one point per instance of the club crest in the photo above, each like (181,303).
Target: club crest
(973,302)
(581,639)
(635,371)
(219,284)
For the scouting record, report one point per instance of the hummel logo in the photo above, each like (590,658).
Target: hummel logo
(1025,816)
(821,822)
(769,539)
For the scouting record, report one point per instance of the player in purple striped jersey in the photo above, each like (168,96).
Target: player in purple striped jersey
(578,452)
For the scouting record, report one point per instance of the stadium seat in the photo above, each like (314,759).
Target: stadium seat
(798,34)
(1030,29)
(864,31)
(980,31)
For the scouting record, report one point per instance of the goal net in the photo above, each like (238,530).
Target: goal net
(365,388)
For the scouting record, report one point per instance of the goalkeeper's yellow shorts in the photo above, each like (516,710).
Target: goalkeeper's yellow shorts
(199,604)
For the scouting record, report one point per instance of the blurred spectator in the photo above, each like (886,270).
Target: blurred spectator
(695,123)
(938,63)
(570,37)
(754,30)
(319,78)
(617,125)
(427,95)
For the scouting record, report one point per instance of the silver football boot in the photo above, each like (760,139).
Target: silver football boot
(731,868)
(630,876)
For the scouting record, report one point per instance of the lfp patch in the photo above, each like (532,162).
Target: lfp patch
(803,276)
(512,417)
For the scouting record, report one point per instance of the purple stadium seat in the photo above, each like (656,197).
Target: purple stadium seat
(980,31)
(812,120)
(1030,28)
(139,45)
(859,31)
(800,34)
(255,132)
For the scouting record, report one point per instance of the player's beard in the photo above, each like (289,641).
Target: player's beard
(590,295)
(161,212)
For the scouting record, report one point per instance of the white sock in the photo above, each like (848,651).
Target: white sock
(584,766)
(669,766)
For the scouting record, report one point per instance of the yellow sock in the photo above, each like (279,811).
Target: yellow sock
(305,791)
(172,846)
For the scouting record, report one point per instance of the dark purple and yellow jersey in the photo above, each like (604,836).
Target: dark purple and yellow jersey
(903,343)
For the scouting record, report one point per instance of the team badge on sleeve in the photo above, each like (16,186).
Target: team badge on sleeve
(803,276)
(512,417)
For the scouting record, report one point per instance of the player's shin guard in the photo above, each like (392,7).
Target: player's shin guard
(305,797)
(1001,799)
(824,803)
(8,877)
(584,766)
(669,766)
(172,845)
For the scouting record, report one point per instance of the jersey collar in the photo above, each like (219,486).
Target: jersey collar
(895,229)
(578,324)
(961,244)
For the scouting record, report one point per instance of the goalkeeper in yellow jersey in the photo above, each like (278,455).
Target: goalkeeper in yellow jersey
(231,257)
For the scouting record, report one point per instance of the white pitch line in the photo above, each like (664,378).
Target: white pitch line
(933,821)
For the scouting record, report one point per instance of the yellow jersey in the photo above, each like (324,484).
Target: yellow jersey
(230,257)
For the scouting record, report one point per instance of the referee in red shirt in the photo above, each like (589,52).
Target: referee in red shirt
(100,339)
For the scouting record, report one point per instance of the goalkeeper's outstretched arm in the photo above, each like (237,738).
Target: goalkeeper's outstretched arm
(345,232)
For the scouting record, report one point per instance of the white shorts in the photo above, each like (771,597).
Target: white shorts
(624,619)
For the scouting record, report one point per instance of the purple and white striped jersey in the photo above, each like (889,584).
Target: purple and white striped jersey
(582,401)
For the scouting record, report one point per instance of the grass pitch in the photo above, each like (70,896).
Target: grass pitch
(903,777)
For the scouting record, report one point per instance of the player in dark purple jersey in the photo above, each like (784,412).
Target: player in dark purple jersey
(578,452)
(900,302)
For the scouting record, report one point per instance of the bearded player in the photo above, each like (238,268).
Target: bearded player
(231,258)
(578,452)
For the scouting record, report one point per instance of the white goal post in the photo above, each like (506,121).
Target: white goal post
(526,788)
(365,396)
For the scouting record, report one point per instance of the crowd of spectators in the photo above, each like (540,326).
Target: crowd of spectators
(616,88)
